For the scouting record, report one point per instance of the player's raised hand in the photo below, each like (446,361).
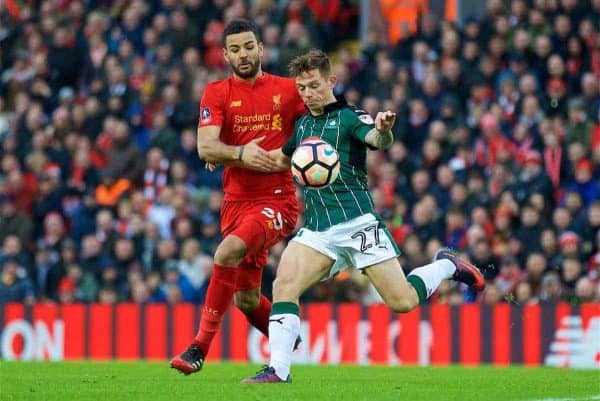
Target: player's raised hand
(256,158)
(384,121)
(210,166)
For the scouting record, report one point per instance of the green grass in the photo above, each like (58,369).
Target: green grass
(154,381)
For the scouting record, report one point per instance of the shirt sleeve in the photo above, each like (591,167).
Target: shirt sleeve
(362,124)
(211,107)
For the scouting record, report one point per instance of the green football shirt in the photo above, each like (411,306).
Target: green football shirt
(344,127)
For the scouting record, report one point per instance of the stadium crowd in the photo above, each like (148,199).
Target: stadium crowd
(103,197)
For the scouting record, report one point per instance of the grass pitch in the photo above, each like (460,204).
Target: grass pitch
(137,381)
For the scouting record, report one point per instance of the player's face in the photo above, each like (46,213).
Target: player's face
(315,89)
(243,52)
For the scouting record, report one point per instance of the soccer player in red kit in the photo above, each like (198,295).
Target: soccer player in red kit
(241,119)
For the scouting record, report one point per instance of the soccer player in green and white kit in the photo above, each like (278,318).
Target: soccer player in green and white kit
(342,228)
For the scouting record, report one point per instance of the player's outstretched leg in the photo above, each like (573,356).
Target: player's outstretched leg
(219,296)
(465,272)
(299,268)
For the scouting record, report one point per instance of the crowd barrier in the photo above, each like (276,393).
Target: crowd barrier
(471,334)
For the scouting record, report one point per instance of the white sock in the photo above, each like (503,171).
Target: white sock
(433,274)
(283,330)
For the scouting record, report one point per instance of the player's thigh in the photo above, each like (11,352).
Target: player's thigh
(262,224)
(389,281)
(299,268)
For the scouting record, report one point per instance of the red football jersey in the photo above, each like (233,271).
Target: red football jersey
(245,111)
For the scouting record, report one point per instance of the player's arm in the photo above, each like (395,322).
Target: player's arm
(212,150)
(250,155)
(381,136)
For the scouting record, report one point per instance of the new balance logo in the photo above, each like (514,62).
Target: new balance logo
(280,320)
(574,345)
(236,103)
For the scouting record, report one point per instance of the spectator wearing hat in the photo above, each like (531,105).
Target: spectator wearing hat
(66,291)
(585,185)
(579,127)
(569,245)
(13,286)
(555,102)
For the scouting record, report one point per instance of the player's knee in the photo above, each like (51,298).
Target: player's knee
(247,301)
(402,304)
(284,287)
(230,252)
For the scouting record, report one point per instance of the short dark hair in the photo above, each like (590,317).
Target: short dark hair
(314,59)
(239,26)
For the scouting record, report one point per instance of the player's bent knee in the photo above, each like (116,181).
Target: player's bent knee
(230,251)
(402,304)
(246,301)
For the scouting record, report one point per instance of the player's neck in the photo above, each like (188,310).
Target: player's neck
(321,110)
(251,80)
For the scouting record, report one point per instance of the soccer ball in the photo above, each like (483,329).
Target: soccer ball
(315,163)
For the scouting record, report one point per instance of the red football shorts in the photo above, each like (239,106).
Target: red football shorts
(261,224)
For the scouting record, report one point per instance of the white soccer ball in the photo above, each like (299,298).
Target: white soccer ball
(315,163)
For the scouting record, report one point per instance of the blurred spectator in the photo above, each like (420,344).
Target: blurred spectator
(13,221)
(497,143)
(13,286)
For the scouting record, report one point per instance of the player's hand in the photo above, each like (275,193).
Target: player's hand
(384,121)
(256,158)
(210,166)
